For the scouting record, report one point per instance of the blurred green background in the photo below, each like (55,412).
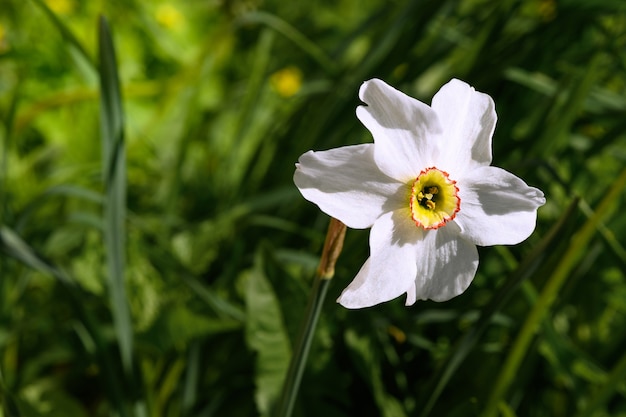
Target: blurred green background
(187,299)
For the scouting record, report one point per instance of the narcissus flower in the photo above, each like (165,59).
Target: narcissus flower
(427,190)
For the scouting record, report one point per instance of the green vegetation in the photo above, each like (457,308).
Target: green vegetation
(156,258)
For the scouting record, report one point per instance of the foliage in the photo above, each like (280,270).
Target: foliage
(163,270)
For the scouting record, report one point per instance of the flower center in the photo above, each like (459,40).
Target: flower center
(434,199)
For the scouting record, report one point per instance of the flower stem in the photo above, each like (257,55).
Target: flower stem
(325,271)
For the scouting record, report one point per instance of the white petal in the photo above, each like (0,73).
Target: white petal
(346,184)
(497,208)
(405,130)
(446,265)
(390,270)
(468,119)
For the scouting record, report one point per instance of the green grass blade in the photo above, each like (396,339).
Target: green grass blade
(114,172)
(560,120)
(292,34)
(245,145)
(191,378)
(548,295)
(12,244)
(608,235)
(65,31)
(224,309)
(391,36)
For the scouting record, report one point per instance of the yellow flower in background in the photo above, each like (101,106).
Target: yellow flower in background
(169,16)
(61,6)
(287,81)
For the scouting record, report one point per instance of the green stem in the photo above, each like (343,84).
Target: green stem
(325,272)
(301,352)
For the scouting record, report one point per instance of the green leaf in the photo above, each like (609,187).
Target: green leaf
(267,336)
(114,170)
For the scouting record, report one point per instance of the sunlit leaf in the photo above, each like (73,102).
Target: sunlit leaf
(265,335)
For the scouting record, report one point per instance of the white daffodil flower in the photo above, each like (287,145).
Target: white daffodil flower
(427,190)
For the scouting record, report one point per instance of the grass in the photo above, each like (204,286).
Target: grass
(156,258)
